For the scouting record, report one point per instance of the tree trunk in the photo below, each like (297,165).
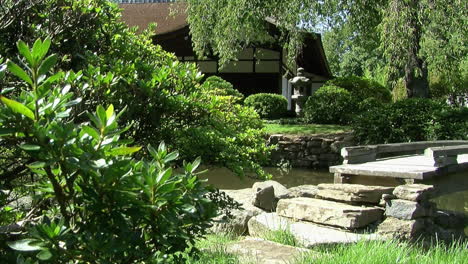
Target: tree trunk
(416,74)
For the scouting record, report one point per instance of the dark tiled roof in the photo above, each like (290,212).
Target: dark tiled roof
(163,13)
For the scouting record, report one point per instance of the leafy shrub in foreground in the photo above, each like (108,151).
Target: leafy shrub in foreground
(411,120)
(330,105)
(362,88)
(121,68)
(98,204)
(268,105)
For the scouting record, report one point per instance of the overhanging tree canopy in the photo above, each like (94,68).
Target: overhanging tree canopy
(414,35)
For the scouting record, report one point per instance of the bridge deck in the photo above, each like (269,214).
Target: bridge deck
(418,167)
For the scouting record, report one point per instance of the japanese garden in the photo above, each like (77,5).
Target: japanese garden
(232,131)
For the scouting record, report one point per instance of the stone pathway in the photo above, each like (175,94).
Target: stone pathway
(308,234)
(256,250)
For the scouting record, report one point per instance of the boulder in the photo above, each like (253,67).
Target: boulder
(414,192)
(352,193)
(306,233)
(385,199)
(406,210)
(237,224)
(397,228)
(280,190)
(256,250)
(244,197)
(303,191)
(328,212)
(265,198)
(266,194)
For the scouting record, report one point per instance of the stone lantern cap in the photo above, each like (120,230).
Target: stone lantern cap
(300,78)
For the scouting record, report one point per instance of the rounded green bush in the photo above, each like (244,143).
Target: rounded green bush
(411,120)
(215,85)
(362,88)
(268,105)
(330,105)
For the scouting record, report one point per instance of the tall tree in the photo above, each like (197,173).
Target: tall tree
(408,31)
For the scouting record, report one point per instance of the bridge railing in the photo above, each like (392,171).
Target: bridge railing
(439,150)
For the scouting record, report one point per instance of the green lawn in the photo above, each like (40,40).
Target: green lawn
(363,252)
(305,129)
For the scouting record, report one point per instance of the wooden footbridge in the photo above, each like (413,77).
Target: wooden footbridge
(403,162)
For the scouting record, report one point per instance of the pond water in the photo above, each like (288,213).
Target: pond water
(223,178)
(452,197)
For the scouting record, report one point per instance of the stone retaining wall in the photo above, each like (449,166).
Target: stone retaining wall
(313,151)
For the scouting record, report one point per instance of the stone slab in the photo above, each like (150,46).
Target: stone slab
(328,212)
(244,197)
(397,228)
(416,167)
(303,191)
(306,233)
(406,210)
(352,193)
(237,224)
(414,192)
(256,250)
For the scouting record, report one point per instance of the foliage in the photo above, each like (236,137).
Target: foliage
(101,205)
(362,88)
(388,251)
(215,85)
(411,120)
(330,105)
(304,129)
(119,67)
(282,236)
(268,105)
(411,38)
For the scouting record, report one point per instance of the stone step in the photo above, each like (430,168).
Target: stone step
(352,193)
(328,212)
(306,233)
(259,251)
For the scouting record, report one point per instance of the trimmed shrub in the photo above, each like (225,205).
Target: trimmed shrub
(362,88)
(409,120)
(330,105)
(268,105)
(217,86)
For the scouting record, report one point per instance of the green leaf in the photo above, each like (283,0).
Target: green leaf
(101,113)
(195,164)
(40,49)
(47,64)
(2,71)
(24,50)
(17,107)
(30,147)
(44,48)
(25,245)
(91,131)
(152,151)
(20,73)
(164,176)
(171,156)
(109,111)
(44,255)
(37,165)
(120,151)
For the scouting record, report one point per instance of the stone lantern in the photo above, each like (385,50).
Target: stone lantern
(302,87)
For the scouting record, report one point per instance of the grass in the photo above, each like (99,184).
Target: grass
(305,129)
(213,250)
(376,252)
(282,236)
(363,252)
